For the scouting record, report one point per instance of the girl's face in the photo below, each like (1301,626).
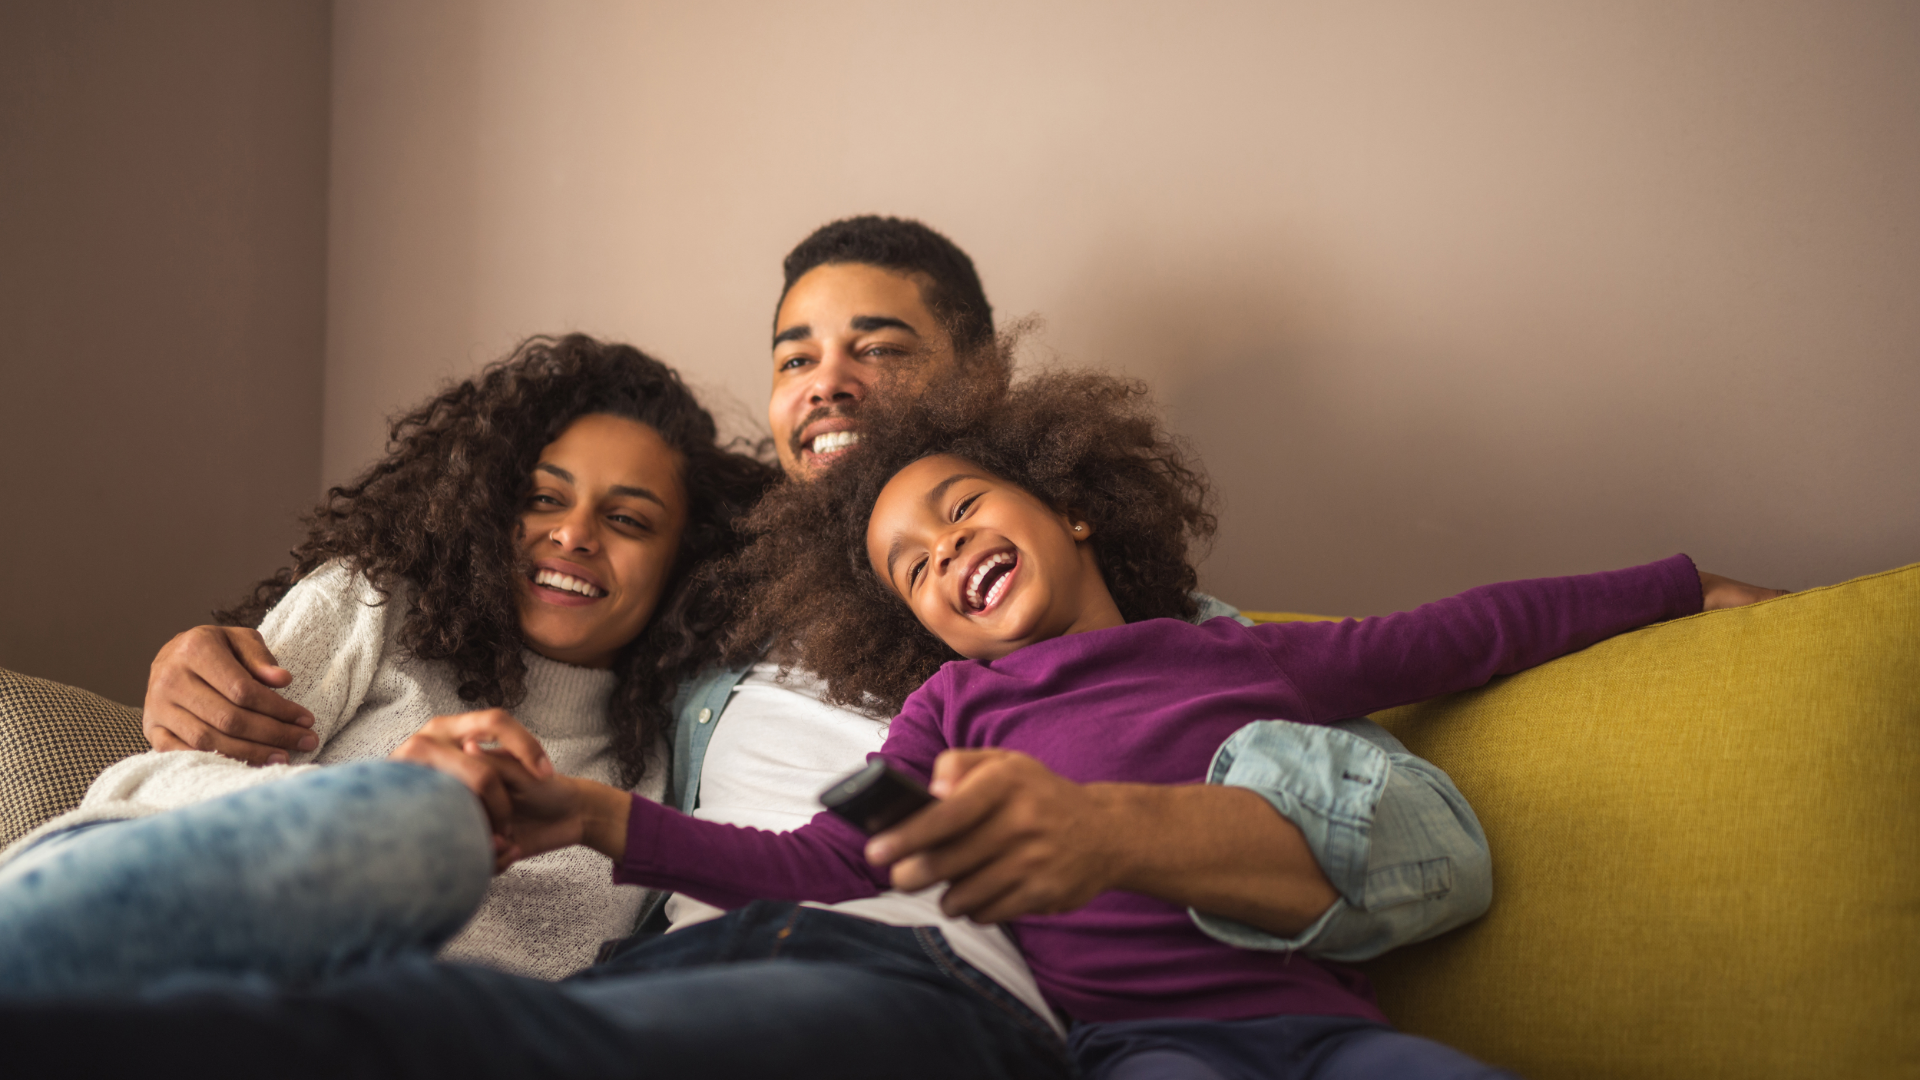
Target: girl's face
(983,564)
(601,530)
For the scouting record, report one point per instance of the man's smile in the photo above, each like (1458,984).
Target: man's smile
(824,434)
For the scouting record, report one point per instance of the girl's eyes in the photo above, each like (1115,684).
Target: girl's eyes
(913,573)
(960,509)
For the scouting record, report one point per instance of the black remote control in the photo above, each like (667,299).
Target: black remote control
(876,798)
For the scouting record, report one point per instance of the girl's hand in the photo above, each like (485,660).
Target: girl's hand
(459,746)
(531,809)
(1718,592)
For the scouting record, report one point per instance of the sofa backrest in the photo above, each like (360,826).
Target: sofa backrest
(1706,849)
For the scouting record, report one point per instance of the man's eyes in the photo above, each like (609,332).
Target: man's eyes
(877,352)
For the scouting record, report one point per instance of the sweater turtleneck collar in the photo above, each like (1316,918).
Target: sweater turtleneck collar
(563,699)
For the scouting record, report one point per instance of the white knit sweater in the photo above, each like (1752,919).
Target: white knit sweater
(545,916)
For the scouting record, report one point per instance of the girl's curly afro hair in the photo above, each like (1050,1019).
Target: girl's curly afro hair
(440,515)
(1080,441)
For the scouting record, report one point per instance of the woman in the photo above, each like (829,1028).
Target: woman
(524,544)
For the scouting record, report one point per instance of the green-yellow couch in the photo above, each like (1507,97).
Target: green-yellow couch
(1705,836)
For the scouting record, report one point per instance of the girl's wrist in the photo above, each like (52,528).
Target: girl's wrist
(604,812)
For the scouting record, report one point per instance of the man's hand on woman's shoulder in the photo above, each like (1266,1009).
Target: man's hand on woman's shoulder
(211,688)
(1723,592)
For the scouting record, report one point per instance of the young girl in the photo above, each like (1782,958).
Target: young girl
(1026,557)
(525,543)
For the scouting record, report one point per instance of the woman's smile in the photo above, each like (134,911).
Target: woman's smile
(557,581)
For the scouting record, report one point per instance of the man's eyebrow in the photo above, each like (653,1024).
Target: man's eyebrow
(881,322)
(794,333)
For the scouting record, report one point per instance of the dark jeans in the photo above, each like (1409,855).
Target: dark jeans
(771,990)
(1270,1048)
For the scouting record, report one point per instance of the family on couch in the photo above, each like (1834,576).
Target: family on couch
(555,540)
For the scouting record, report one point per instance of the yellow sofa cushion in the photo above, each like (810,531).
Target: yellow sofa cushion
(1706,849)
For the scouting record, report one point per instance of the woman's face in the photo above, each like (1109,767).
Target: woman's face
(601,530)
(983,564)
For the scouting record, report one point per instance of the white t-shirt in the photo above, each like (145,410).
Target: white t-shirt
(766,767)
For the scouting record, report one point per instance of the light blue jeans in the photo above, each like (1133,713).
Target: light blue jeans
(293,881)
(285,931)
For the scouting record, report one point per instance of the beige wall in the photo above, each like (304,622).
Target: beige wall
(1444,293)
(162,260)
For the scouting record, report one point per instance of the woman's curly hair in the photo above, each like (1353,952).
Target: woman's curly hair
(1080,441)
(440,515)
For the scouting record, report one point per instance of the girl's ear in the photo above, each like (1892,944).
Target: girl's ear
(1081,530)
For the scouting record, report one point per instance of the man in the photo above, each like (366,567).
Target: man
(1299,843)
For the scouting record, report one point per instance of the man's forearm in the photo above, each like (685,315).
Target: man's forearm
(1219,850)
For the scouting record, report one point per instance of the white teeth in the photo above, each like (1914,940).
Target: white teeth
(834,441)
(557,580)
(980,573)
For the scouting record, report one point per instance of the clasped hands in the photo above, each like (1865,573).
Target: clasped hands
(1010,835)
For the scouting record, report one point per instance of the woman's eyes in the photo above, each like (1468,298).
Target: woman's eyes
(629,521)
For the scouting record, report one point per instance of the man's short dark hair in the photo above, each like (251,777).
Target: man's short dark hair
(949,286)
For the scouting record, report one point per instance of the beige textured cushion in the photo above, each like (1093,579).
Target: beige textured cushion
(54,740)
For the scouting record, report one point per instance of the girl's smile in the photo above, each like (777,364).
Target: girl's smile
(983,564)
(987,583)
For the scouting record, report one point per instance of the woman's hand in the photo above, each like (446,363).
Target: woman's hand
(531,809)
(1719,592)
(458,745)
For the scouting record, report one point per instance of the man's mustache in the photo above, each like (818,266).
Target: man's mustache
(839,408)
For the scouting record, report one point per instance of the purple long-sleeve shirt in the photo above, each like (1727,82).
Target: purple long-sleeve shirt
(1150,702)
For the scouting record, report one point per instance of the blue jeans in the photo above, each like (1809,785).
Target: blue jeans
(299,879)
(1269,1048)
(143,929)
(771,990)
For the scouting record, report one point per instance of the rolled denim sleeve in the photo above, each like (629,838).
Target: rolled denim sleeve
(1393,835)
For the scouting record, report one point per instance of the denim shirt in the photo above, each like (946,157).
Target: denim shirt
(1395,838)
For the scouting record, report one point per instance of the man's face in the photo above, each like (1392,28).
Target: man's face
(837,332)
